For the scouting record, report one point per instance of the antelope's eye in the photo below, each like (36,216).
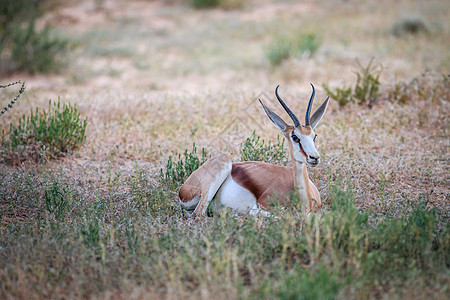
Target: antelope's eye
(314,139)
(295,138)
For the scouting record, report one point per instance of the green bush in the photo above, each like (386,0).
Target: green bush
(317,283)
(408,243)
(90,233)
(366,89)
(284,47)
(346,224)
(307,43)
(176,173)
(148,198)
(24,48)
(226,4)
(51,133)
(408,25)
(278,50)
(204,3)
(255,149)
(430,86)
(37,51)
(57,200)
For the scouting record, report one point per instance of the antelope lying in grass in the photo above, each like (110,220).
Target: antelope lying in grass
(249,187)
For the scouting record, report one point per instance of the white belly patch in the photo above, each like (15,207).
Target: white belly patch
(232,195)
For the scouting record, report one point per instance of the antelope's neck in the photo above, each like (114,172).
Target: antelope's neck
(302,184)
(301,181)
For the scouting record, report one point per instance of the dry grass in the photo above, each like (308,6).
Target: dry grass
(154,76)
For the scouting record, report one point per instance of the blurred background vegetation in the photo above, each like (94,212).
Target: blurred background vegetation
(23,46)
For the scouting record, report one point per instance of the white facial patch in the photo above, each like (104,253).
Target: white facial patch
(306,146)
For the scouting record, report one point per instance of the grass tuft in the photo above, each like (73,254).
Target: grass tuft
(337,254)
(225,4)
(287,46)
(429,86)
(57,200)
(255,149)
(410,25)
(177,172)
(22,47)
(366,89)
(44,134)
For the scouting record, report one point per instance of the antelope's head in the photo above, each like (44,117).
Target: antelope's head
(301,137)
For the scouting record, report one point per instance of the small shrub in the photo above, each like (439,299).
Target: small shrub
(344,225)
(278,50)
(22,47)
(408,243)
(255,149)
(319,283)
(225,4)
(366,89)
(342,96)
(36,52)
(410,25)
(90,233)
(13,101)
(430,86)
(284,47)
(205,3)
(307,44)
(132,238)
(367,83)
(176,173)
(56,200)
(52,133)
(232,4)
(148,199)
(399,93)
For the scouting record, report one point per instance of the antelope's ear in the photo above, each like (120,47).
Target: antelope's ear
(318,114)
(275,119)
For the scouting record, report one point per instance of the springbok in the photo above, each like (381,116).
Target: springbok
(249,187)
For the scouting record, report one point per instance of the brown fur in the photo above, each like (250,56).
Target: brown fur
(201,179)
(306,130)
(264,180)
(311,191)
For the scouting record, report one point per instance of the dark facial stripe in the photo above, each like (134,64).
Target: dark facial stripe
(302,151)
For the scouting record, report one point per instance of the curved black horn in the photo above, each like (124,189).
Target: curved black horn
(289,112)
(308,110)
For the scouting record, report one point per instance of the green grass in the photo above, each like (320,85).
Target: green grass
(124,247)
(176,172)
(44,134)
(278,50)
(366,89)
(254,148)
(283,47)
(410,25)
(226,4)
(23,47)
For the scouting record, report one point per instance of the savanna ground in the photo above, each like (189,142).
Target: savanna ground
(153,77)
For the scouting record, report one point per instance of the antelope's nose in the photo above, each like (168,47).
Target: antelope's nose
(314,158)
